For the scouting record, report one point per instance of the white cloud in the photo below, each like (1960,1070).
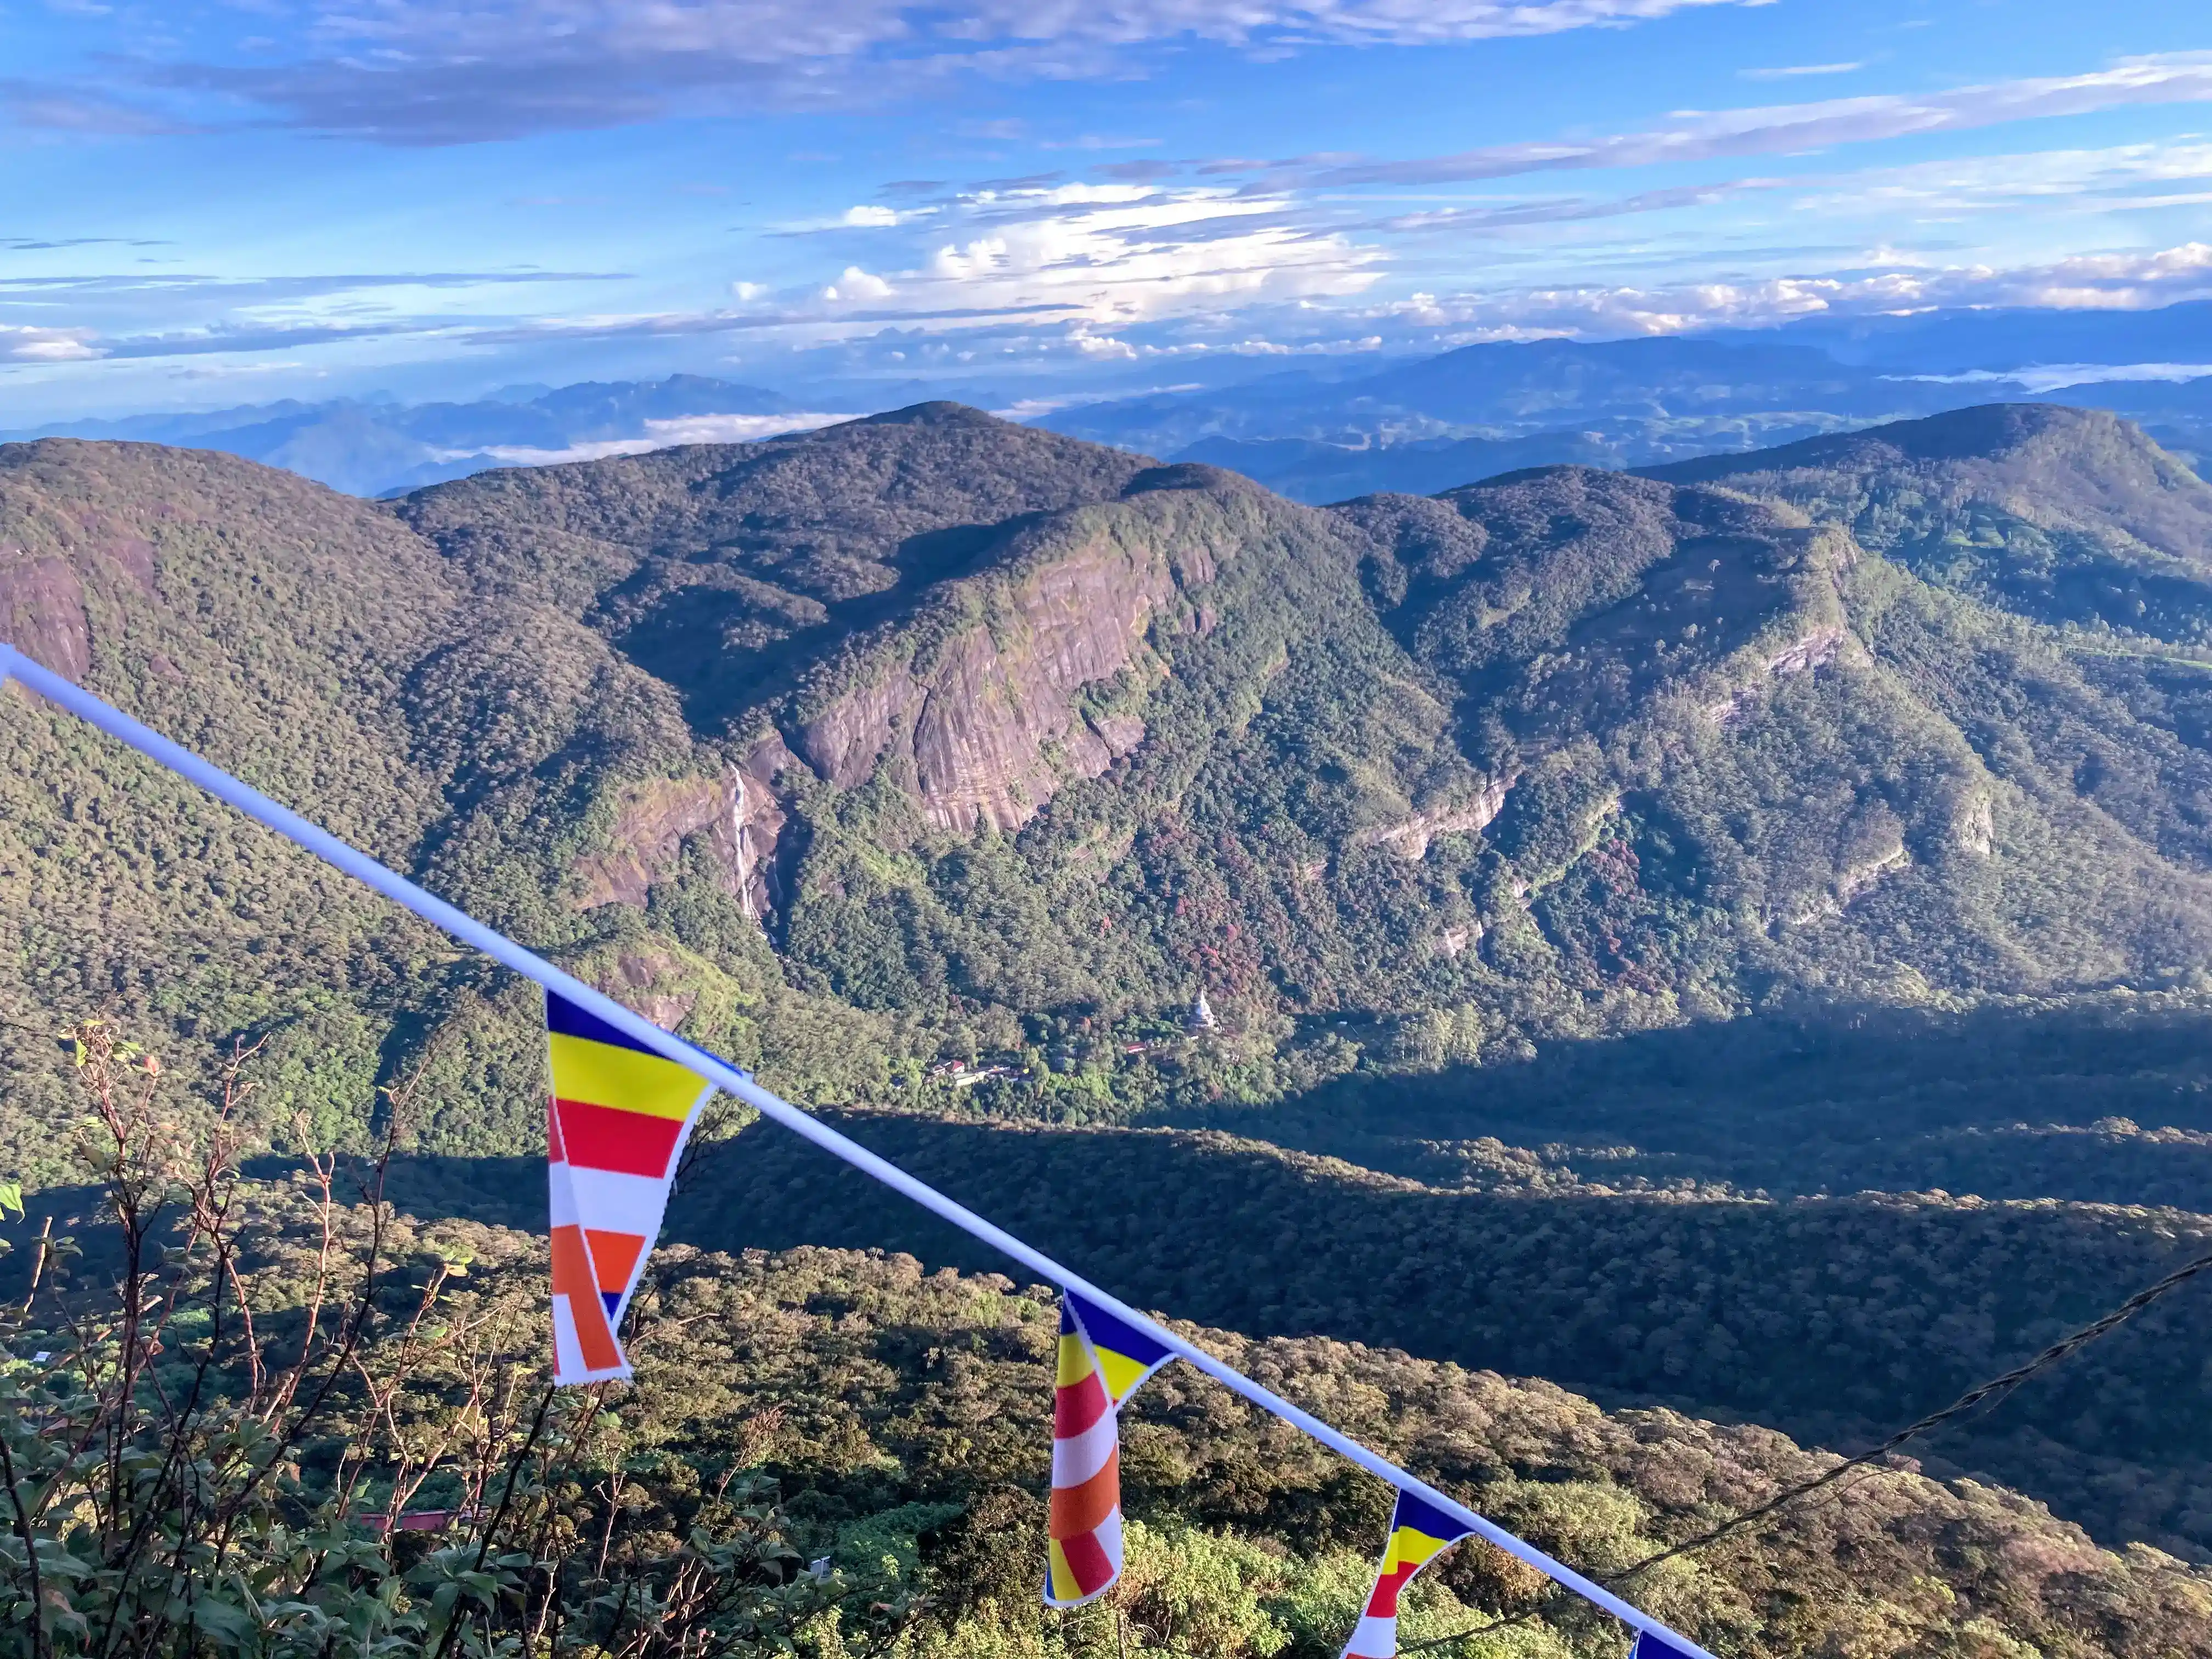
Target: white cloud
(1088,271)
(1119,254)
(47,345)
(457,72)
(755,29)
(1698,134)
(2050,377)
(1098,256)
(1791,71)
(2118,176)
(659,435)
(1518,215)
(2076,182)
(2113,281)
(858,284)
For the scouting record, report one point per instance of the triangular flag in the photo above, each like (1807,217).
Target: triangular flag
(1649,1646)
(614,1128)
(1103,1360)
(1419,1532)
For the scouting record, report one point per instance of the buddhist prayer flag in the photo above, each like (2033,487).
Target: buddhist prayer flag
(1419,1532)
(614,1130)
(1102,1361)
(1649,1646)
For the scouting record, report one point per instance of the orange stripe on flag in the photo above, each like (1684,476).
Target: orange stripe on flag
(1076,1509)
(572,1278)
(613,1256)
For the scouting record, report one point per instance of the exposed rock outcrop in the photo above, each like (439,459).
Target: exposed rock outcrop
(651,825)
(1853,882)
(758,818)
(1410,838)
(640,980)
(1976,827)
(1816,648)
(42,612)
(742,813)
(978,714)
(1453,940)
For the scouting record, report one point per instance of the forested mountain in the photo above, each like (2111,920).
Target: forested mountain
(2060,515)
(929,738)
(891,1425)
(904,1414)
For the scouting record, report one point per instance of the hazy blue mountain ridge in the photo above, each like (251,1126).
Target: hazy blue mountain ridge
(1341,427)
(379,446)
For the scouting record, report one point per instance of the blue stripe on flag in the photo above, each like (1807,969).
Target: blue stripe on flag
(567,1018)
(1424,1517)
(1114,1335)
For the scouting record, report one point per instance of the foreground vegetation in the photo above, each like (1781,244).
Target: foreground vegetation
(837,1453)
(248,1419)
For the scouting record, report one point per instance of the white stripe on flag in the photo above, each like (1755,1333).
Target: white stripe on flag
(568,1353)
(1108,1535)
(1376,1638)
(613,1203)
(1076,1459)
(560,1196)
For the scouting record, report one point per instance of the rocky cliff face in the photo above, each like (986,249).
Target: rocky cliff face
(651,823)
(741,813)
(973,707)
(42,612)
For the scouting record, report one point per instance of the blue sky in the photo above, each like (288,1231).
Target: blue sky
(212,203)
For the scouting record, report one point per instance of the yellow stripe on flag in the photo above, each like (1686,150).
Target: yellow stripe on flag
(1121,1373)
(600,1074)
(1409,1544)
(1074,1360)
(1064,1585)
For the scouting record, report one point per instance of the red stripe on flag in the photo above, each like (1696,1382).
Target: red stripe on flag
(554,1153)
(1087,1561)
(627,1143)
(1383,1604)
(1077,1405)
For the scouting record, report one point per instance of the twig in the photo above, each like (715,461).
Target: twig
(39,1645)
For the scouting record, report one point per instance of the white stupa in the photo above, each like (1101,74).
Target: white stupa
(1201,1013)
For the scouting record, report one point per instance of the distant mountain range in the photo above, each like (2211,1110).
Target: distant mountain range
(378,447)
(2011,338)
(1330,433)
(1469,414)
(930,737)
